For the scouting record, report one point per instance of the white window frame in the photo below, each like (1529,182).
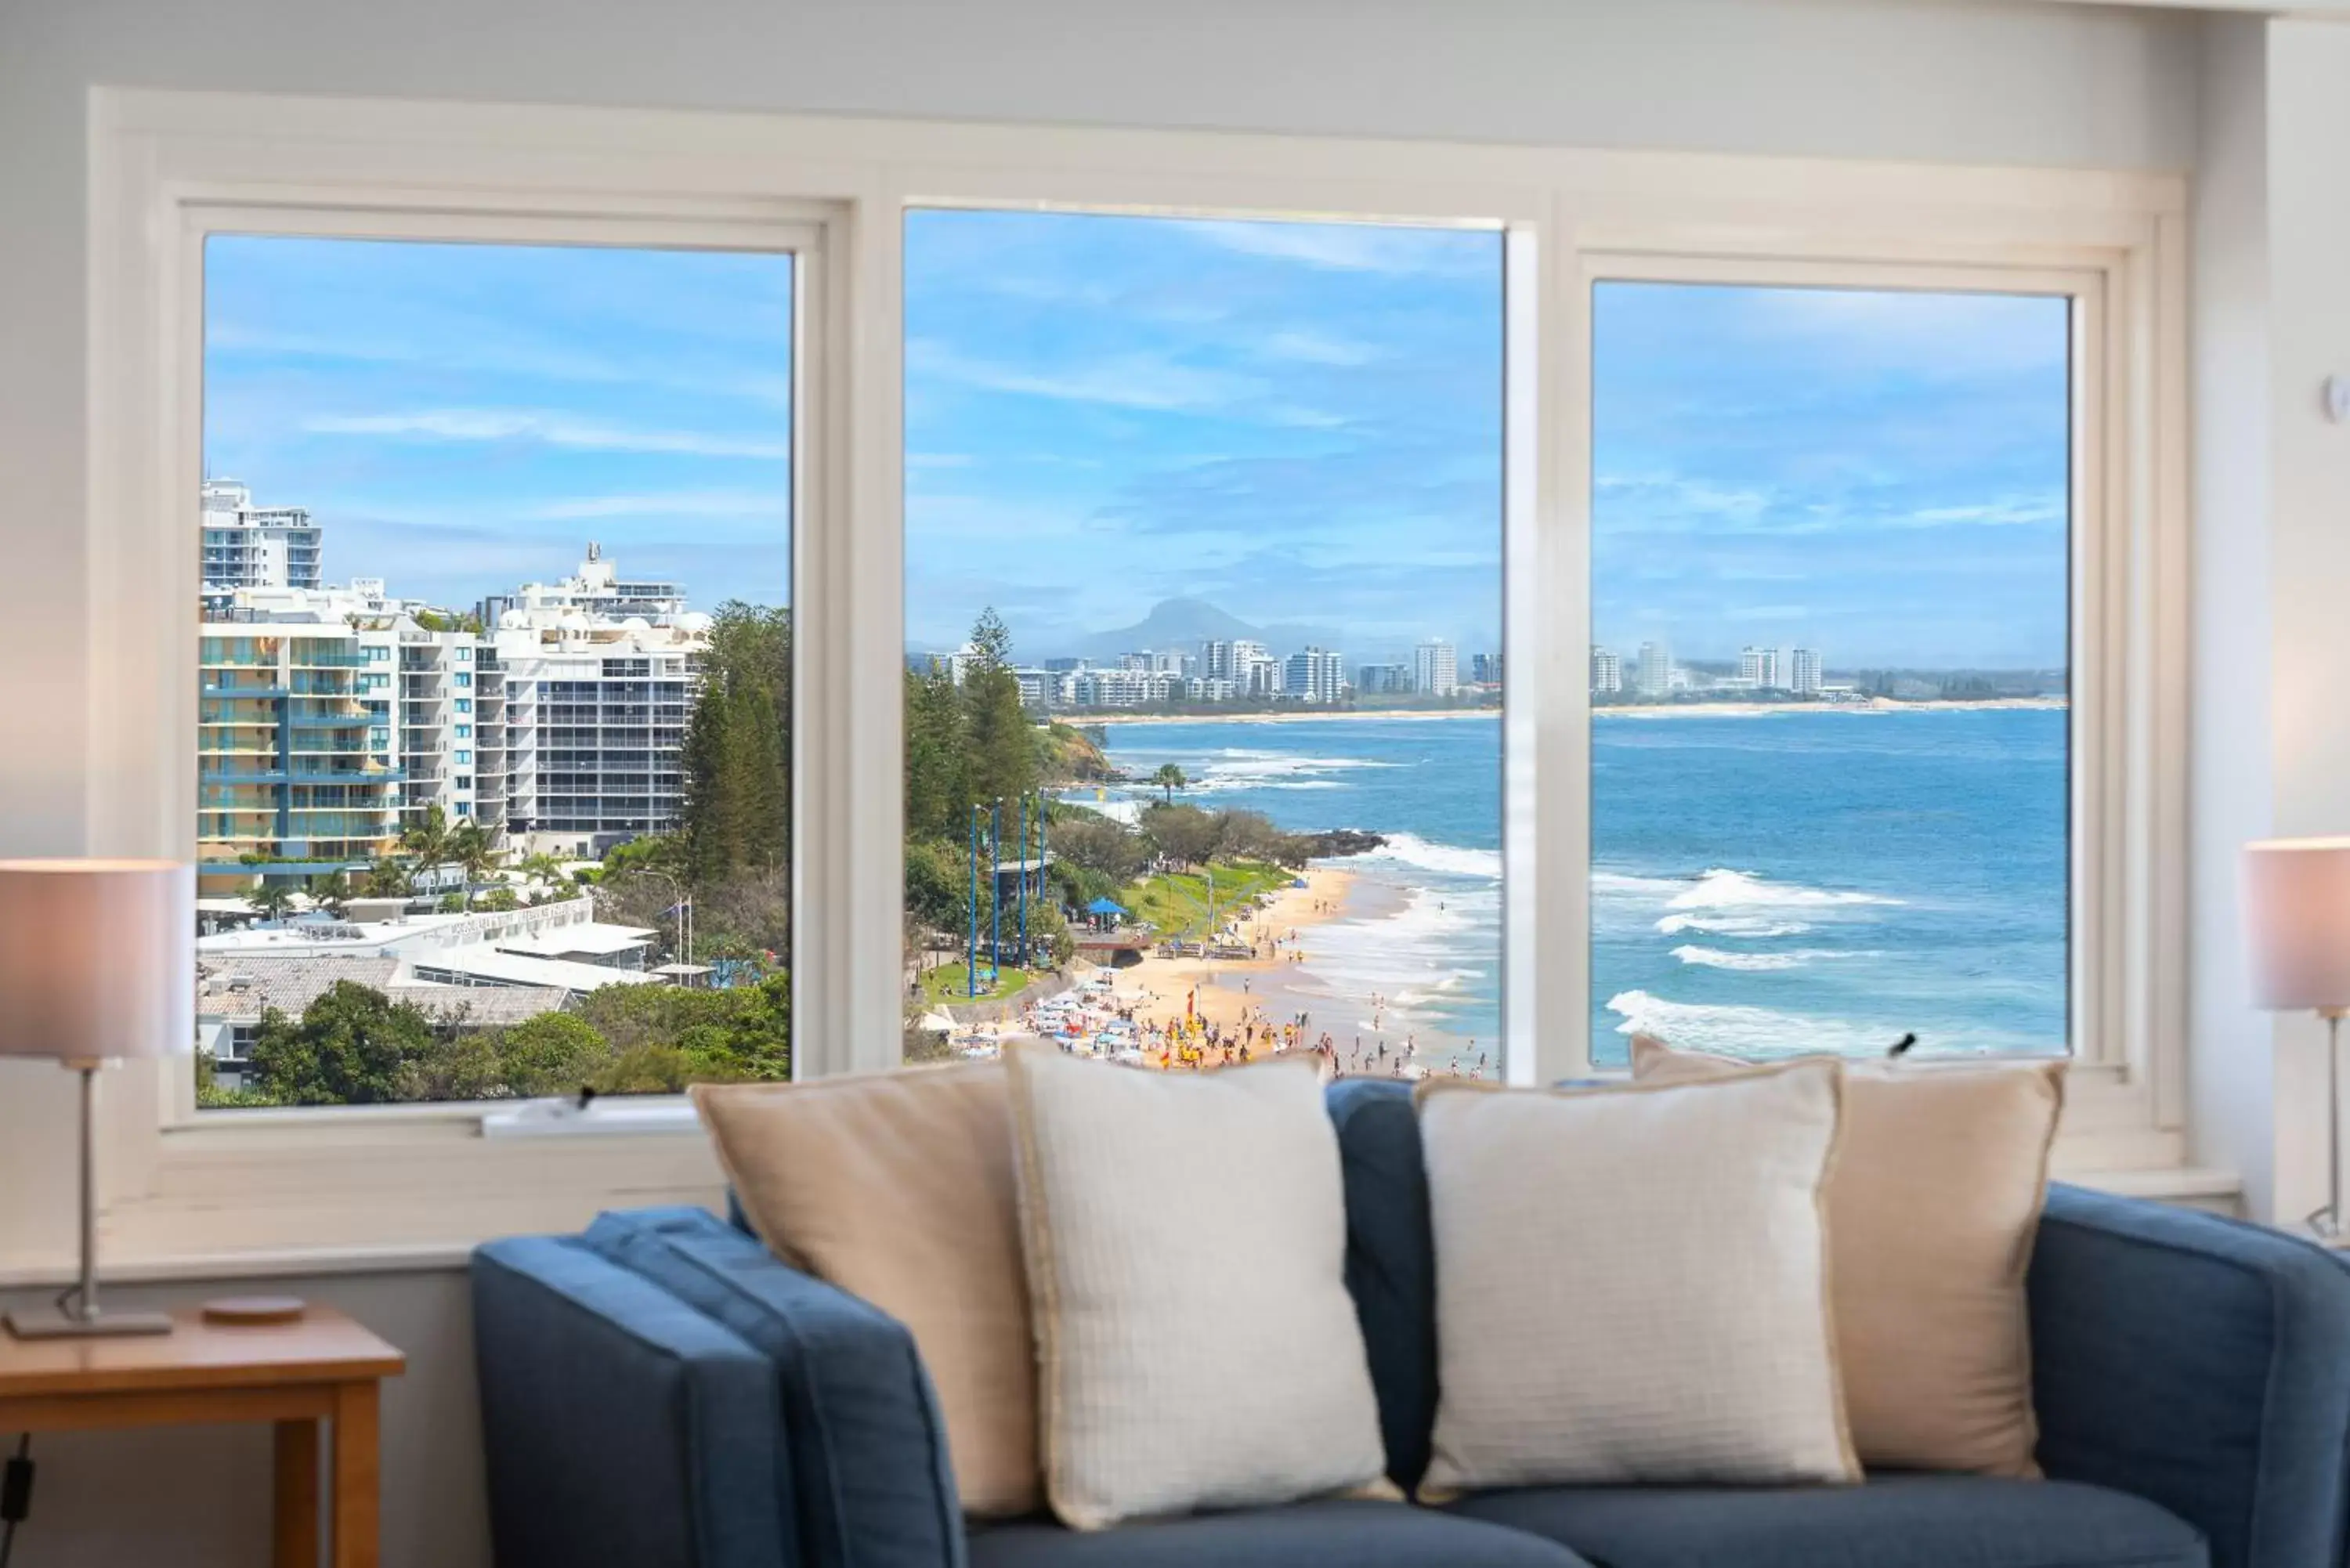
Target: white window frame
(365,1186)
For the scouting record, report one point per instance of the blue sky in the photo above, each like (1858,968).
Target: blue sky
(465,418)
(1300,423)
(1880,476)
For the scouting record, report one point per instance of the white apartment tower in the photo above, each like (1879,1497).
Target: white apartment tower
(1435,668)
(595,708)
(1316,675)
(1656,671)
(249,546)
(1759,669)
(1606,673)
(1803,671)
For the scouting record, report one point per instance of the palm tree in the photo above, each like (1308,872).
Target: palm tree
(391,877)
(428,840)
(543,867)
(1170,778)
(272,898)
(470,848)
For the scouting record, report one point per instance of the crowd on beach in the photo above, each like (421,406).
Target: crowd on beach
(1200,1005)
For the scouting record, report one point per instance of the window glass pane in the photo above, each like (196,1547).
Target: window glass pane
(1203,587)
(1830,603)
(493,742)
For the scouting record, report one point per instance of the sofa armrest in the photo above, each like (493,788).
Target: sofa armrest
(620,1424)
(2199,1362)
(871,1482)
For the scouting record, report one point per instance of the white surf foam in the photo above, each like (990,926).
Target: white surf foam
(1723,889)
(1756,1031)
(1730,926)
(1451,859)
(1715,958)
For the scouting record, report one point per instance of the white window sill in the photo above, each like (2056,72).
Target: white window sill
(665,1114)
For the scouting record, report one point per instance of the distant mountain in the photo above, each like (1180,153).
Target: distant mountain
(1184,624)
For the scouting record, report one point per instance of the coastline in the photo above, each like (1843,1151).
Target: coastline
(1314,714)
(1624,710)
(1230,993)
(1873,705)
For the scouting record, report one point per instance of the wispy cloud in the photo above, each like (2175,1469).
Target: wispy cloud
(1143,381)
(548,428)
(1310,347)
(1347,247)
(679,503)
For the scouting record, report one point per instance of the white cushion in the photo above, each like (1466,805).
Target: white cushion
(1631,1283)
(1186,1239)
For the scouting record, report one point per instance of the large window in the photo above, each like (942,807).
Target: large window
(1832,601)
(1205,677)
(494,669)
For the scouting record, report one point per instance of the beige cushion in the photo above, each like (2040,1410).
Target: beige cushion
(1186,1243)
(1631,1283)
(898,1188)
(1932,1211)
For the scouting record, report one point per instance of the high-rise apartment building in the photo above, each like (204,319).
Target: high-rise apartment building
(1315,675)
(249,546)
(290,781)
(1231,659)
(1606,672)
(1803,671)
(1382,680)
(1759,669)
(596,709)
(1435,668)
(1485,668)
(1655,677)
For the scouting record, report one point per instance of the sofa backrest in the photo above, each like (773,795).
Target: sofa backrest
(1390,1260)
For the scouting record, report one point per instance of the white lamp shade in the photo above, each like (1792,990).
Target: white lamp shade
(97,959)
(2297,913)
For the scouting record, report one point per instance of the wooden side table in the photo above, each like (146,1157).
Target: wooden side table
(295,1376)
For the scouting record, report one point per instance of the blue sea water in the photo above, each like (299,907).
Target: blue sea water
(1767,884)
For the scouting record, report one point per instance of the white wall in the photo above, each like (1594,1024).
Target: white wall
(2231,1081)
(1955,82)
(2272,556)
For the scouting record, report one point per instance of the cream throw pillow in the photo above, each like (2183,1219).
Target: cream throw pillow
(1631,1283)
(900,1188)
(1186,1244)
(1932,1211)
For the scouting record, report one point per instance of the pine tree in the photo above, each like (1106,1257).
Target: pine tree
(1003,743)
(737,752)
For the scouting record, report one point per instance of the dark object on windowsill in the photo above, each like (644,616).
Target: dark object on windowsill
(248,1311)
(16,1496)
(1900,1047)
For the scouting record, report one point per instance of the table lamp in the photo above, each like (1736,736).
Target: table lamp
(2297,912)
(94,968)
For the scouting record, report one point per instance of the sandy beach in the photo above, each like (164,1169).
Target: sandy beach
(1240,1004)
(1869,705)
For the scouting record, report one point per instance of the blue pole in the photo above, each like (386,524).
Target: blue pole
(995,888)
(1024,881)
(971,915)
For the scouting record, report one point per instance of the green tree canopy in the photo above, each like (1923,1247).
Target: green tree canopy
(737,753)
(351,1047)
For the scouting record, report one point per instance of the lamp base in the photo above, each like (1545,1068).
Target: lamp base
(55,1322)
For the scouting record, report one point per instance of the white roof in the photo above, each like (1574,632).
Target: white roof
(588,936)
(485,963)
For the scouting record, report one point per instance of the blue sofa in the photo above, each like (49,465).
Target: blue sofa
(660,1392)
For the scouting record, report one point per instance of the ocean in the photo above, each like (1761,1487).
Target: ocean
(1767,884)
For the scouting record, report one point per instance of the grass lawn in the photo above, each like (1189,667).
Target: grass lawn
(946,984)
(1175,904)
